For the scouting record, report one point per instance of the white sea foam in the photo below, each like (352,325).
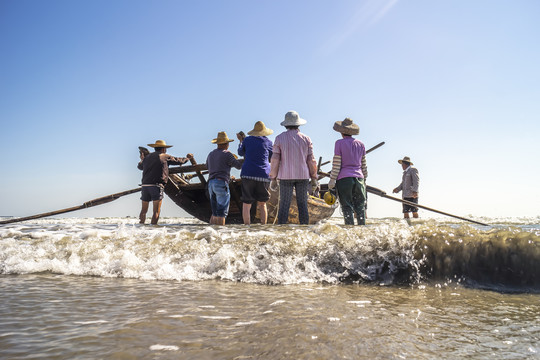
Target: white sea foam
(188,250)
(159,347)
(91,322)
(215,317)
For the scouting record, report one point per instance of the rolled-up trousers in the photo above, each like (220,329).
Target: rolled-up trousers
(285,198)
(352,197)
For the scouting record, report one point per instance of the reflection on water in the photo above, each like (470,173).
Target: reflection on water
(65,317)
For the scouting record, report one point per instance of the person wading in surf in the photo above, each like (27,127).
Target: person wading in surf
(409,185)
(349,171)
(155,168)
(293,164)
(219,163)
(257,150)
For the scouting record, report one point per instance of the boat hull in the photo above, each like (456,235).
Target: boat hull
(195,201)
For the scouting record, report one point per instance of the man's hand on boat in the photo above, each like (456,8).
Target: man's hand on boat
(189,156)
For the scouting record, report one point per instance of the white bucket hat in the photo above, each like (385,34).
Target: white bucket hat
(293,119)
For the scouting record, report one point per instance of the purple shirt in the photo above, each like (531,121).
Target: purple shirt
(257,150)
(292,157)
(351,151)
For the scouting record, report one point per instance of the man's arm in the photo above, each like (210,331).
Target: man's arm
(241,148)
(310,161)
(232,161)
(139,165)
(364,166)
(171,160)
(415,179)
(275,161)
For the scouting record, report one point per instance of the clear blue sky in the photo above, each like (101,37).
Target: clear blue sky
(455,85)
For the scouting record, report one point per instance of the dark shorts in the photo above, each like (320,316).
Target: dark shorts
(409,208)
(152,193)
(253,190)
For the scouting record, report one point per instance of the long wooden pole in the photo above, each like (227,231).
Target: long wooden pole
(383,194)
(94,202)
(375,147)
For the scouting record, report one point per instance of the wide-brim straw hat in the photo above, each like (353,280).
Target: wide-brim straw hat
(260,130)
(406,159)
(160,144)
(293,119)
(222,138)
(347,127)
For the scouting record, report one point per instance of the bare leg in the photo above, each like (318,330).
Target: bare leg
(219,220)
(263,212)
(415,215)
(156,207)
(144,209)
(405,215)
(246,213)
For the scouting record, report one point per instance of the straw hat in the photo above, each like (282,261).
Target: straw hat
(222,138)
(293,119)
(406,159)
(346,127)
(160,144)
(260,130)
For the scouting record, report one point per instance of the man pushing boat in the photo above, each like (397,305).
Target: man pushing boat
(155,168)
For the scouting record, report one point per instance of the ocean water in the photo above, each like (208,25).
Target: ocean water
(109,288)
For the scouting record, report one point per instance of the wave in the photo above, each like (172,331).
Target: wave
(386,252)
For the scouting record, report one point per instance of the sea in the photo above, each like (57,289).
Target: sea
(110,288)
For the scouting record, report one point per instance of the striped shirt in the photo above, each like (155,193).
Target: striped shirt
(292,157)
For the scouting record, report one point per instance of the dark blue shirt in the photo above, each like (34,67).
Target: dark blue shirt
(219,163)
(257,151)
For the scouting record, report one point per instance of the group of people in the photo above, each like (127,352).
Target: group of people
(287,164)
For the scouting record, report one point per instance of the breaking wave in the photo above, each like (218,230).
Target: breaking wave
(504,257)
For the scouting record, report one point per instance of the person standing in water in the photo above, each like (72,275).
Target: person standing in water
(409,185)
(155,168)
(294,165)
(349,171)
(257,151)
(219,163)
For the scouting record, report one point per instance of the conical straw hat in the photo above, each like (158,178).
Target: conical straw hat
(222,138)
(260,130)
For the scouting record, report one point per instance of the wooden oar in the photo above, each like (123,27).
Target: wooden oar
(98,201)
(323,174)
(375,147)
(381,193)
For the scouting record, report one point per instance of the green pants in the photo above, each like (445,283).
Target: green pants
(352,197)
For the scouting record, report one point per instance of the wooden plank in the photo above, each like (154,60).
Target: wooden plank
(188,168)
(189,187)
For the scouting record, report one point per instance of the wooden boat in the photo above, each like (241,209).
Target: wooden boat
(187,188)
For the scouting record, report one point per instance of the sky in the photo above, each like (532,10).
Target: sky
(455,85)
